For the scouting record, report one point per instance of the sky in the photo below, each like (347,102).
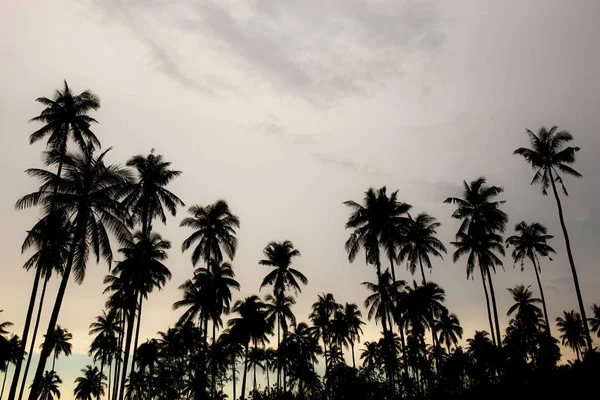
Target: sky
(288,108)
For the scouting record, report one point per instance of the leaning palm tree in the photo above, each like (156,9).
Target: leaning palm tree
(595,320)
(548,155)
(531,242)
(419,242)
(448,329)
(572,330)
(60,343)
(65,117)
(214,230)
(50,390)
(89,193)
(90,385)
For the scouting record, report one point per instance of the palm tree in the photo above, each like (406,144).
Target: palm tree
(595,320)
(298,351)
(89,193)
(525,303)
(323,311)
(419,242)
(482,220)
(378,222)
(353,319)
(371,355)
(270,363)
(531,242)
(214,230)
(10,351)
(548,155)
(51,237)
(4,325)
(572,331)
(50,390)
(480,250)
(279,255)
(105,345)
(60,343)
(65,117)
(143,270)
(376,305)
(256,357)
(90,385)
(250,326)
(448,329)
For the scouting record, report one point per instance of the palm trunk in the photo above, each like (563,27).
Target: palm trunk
(254,370)
(353,359)
(392,268)
(32,346)
(47,349)
(278,361)
(537,276)
(127,351)
(214,362)
(487,302)
(137,333)
(588,338)
(234,396)
(101,371)
(268,382)
(498,336)
(325,352)
(109,379)
(245,369)
(3,383)
(118,359)
(24,336)
(422,271)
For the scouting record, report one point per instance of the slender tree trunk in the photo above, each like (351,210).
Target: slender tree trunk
(498,336)
(325,352)
(127,350)
(33,337)
(353,359)
(245,370)
(109,379)
(137,333)
(118,359)
(404,358)
(214,362)
(268,382)
(234,396)
(487,302)
(537,276)
(101,372)
(15,381)
(254,368)
(392,268)
(3,383)
(422,271)
(588,338)
(278,360)
(577,353)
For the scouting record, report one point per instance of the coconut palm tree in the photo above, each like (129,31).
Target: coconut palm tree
(299,350)
(256,357)
(480,250)
(4,325)
(89,193)
(60,343)
(371,355)
(375,303)
(90,385)
(595,320)
(530,242)
(65,116)
(323,310)
(525,304)
(50,390)
(448,329)
(379,222)
(548,156)
(353,320)
(250,326)
(214,230)
(10,351)
(279,255)
(571,327)
(419,242)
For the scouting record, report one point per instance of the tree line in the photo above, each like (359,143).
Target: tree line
(85,202)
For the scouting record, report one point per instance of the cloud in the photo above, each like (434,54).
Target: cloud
(272,126)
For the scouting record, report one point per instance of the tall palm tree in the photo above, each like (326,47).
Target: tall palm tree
(481,218)
(371,355)
(572,330)
(480,250)
(595,320)
(250,325)
(279,255)
(90,385)
(51,237)
(525,304)
(10,351)
(299,350)
(50,390)
(448,329)
(378,222)
(214,230)
(353,319)
(89,193)
(65,116)
(531,242)
(256,357)
(419,242)
(143,270)
(323,310)
(60,343)
(375,303)
(548,155)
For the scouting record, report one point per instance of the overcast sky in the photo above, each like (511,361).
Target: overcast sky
(288,108)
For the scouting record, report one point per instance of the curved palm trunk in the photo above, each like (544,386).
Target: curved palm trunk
(137,333)
(487,302)
(588,338)
(422,271)
(130,323)
(537,276)
(47,348)
(245,370)
(25,335)
(498,336)
(32,346)
(118,359)
(353,359)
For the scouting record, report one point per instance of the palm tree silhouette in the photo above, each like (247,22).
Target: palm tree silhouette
(371,355)
(89,192)
(4,325)
(60,343)
(10,351)
(595,320)
(105,345)
(214,230)
(323,310)
(572,330)
(525,303)
(279,255)
(255,359)
(420,241)
(531,242)
(352,317)
(90,385)
(548,155)
(448,329)
(65,117)
(50,382)
(482,220)
(250,326)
